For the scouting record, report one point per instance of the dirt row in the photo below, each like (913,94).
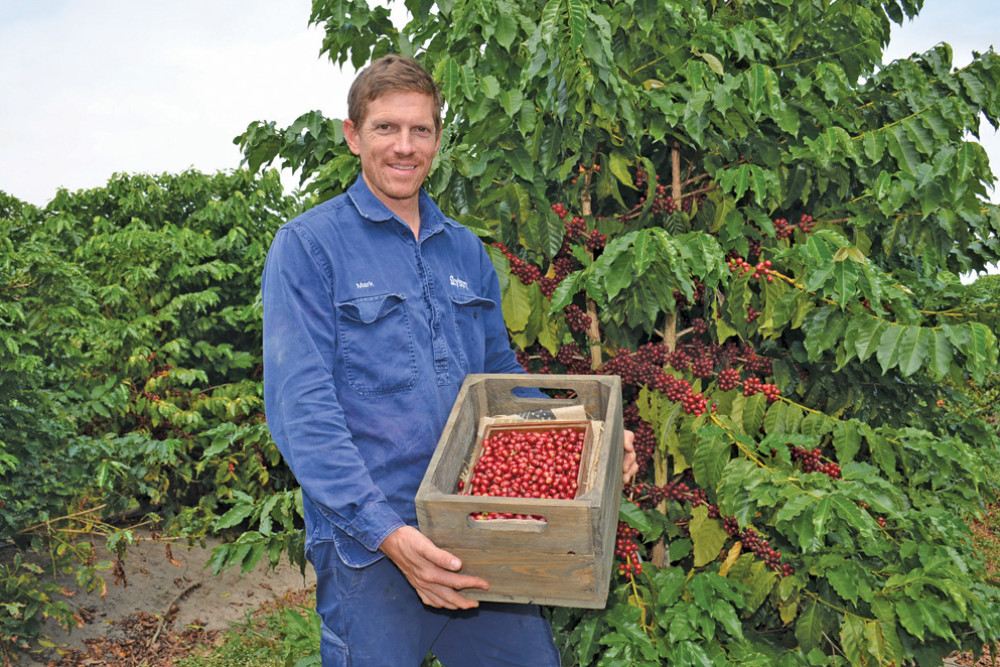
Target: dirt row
(161,604)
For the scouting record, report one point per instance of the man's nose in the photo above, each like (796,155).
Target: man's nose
(404,143)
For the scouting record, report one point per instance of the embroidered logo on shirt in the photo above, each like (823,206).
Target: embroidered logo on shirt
(364,284)
(458,282)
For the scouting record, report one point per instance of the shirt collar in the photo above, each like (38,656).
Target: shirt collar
(371,208)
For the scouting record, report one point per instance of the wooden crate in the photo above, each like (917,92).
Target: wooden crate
(565,560)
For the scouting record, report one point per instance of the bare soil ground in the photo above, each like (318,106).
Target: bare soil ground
(166,605)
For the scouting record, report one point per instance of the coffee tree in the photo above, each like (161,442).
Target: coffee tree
(737,208)
(130,379)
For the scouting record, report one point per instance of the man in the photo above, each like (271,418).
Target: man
(376,306)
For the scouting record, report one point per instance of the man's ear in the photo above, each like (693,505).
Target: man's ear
(351,136)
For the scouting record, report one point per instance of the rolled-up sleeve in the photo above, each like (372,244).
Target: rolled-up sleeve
(300,396)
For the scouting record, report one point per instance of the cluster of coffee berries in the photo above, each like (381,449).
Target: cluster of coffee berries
(648,496)
(640,177)
(576,319)
(700,357)
(547,285)
(699,295)
(595,240)
(770,391)
(662,202)
(573,359)
(688,202)
(562,263)
(753,385)
(527,463)
(679,390)
(562,266)
(703,366)
(527,273)
(627,550)
(761,547)
(679,359)
(642,367)
(567,354)
(645,444)
(728,379)
(644,440)
(812,461)
(783,229)
(575,228)
(757,364)
(752,314)
(698,497)
(758,271)
(646,367)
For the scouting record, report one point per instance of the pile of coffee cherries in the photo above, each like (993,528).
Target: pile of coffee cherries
(536,462)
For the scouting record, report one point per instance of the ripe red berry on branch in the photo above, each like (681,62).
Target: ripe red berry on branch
(576,227)
(751,386)
(782,230)
(526,273)
(595,240)
(576,319)
(728,379)
(627,550)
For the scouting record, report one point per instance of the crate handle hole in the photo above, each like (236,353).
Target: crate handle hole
(562,394)
(536,524)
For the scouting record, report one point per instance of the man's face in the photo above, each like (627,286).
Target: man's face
(397,143)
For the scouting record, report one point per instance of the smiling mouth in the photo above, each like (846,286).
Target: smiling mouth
(403,167)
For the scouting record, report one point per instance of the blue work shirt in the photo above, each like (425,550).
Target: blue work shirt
(368,334)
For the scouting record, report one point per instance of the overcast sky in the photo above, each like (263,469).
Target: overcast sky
(91,87)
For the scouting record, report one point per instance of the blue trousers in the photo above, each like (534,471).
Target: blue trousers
(372,617)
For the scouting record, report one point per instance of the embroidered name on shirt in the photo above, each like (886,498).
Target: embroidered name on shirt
(364,284)
(458,282)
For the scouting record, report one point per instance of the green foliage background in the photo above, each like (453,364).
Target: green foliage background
(130,373)
(130,351)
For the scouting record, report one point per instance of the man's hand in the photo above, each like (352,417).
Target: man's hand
(629,464)
(431,571)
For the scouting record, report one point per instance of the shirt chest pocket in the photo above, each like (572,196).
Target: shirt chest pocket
(470,311)
(376,344)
